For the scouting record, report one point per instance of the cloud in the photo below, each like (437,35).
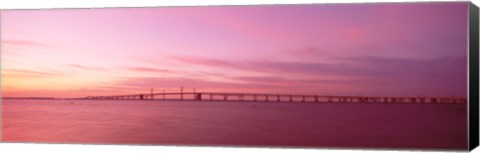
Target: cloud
(87,67)
(25,43)
(310,53)
(283,81)
(21,73)
(366,74)
(197,60)
(147,69)
(142,83)
(388,66)
(360,66)
(272,67)
(148,82)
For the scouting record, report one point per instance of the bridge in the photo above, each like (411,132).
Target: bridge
(258,97)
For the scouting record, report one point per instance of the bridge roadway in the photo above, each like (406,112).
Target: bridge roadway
(213,96)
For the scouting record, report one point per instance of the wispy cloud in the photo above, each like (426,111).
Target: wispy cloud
(362,73)
(267,66)
(310,52)
(348,66)
(147,69)
(197,60)
(282,81)
(94,68)
(24,43)
(21,73)
(143,83)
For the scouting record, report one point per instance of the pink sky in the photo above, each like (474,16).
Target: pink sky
(391,49)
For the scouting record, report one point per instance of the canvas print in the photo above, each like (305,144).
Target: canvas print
(372,75)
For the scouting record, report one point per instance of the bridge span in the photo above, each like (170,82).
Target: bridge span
(217,96)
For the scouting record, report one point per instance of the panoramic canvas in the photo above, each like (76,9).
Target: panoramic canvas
(377,75)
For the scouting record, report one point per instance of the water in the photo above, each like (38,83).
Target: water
(350,125)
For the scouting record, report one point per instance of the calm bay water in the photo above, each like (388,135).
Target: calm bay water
(352,125)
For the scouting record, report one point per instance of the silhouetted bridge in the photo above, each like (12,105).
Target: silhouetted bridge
(214,96)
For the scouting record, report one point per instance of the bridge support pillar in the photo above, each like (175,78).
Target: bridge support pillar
(413,100)
(198,96)
(422,100)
